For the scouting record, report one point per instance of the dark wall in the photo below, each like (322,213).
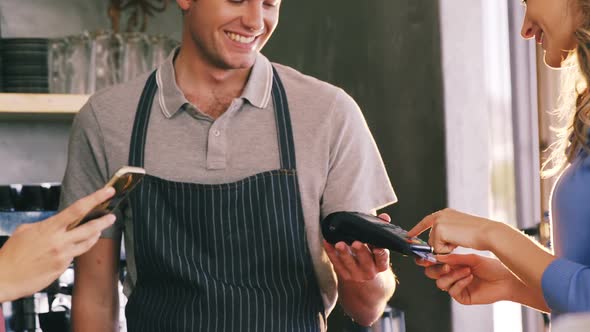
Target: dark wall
(386,54)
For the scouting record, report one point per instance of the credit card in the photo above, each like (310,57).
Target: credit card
(427,256)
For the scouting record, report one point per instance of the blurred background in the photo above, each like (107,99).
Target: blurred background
(456,102)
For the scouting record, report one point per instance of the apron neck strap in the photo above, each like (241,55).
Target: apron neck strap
(283,120)
(142,117)
(282,116)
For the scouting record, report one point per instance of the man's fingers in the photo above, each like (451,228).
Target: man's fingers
(336,262)
(362,253)
(385,217)
(86,231)
(381,257)
(80,208)
(365,262)
(349,262)
(423,225)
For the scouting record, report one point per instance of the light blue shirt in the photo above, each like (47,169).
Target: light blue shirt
(566,281)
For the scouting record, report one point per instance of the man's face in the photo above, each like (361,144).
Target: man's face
(228,34)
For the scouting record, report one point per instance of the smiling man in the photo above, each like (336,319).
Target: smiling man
(243,159)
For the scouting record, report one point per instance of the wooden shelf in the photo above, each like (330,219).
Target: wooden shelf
(40,104)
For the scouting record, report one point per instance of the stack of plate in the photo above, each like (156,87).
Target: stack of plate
(24,65)
(34,197)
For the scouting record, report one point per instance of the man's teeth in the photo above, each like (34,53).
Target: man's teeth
(240,38)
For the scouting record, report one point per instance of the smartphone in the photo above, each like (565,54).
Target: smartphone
(124,180)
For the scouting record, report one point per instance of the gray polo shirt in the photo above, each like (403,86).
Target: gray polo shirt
(338,163)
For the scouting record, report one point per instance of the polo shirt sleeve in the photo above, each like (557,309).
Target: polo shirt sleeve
(566,286)
(356,179)
(86,169)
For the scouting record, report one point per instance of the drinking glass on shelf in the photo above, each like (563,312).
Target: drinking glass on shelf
(133,57)
(160,47)
(6,199)
(104,53)
(56,65)
(77,64)
(30,198)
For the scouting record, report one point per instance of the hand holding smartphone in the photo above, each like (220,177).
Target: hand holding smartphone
(123,181)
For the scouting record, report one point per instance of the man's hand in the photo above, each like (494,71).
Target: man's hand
(358,262)
(365,281)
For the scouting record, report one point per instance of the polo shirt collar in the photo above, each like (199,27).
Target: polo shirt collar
(257,92)
(258,89)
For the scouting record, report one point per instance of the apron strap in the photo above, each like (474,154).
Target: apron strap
(140,126)
(283,119)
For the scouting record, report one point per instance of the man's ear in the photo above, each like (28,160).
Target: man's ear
(184,4)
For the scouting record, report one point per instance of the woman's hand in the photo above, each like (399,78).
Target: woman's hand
(36,254)
(450,229)
(473,279)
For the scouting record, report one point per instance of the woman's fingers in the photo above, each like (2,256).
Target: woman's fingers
(459,259)
(423,225)
(437,271)
(83,246)
(459,292)
(438,240)
(80,208)
(22,228)
(86,231)
(442,248)
(446,281)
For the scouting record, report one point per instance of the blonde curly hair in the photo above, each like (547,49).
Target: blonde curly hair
(574,101)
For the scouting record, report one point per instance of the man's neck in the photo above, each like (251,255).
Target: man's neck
(196,76)
(211,89)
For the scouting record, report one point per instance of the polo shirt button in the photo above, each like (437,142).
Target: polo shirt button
(216,132)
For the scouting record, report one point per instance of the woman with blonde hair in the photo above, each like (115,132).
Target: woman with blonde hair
(524,271)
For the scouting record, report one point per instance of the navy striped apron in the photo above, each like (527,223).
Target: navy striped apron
(226,257)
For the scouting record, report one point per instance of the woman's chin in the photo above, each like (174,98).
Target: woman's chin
(552,61)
